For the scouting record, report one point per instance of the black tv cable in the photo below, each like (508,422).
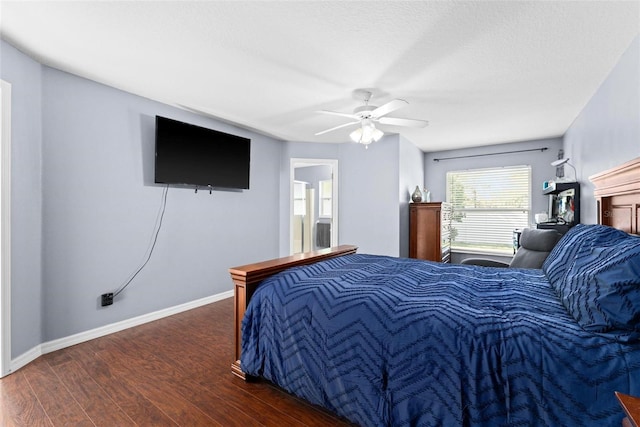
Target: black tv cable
(158,226)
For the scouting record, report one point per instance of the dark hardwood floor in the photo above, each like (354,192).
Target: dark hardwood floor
(174,371)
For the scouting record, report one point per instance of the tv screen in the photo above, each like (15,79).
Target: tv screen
(192,155)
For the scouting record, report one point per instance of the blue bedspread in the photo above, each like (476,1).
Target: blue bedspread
(402,342)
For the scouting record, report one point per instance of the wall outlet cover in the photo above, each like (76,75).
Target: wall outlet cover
(107,299)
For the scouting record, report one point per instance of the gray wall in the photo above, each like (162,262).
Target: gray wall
(411,173)
(368,179)
(607,131)
(541,169)
(100,206)
(25,76)
(85,207)
(368,196)
(313,175)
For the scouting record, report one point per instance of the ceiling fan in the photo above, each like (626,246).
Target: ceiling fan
(367,115)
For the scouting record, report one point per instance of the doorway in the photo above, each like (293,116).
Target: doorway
(313,214)
(5,228)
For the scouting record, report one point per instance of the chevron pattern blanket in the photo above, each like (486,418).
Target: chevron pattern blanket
(388,341)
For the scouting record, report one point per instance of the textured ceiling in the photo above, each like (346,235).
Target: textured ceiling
(480,72)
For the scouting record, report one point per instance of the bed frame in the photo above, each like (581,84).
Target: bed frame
(617,194)
(246,279)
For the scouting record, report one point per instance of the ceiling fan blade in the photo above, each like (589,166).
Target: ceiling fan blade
(388,107)
(403,122)
(337,127)
(337,113)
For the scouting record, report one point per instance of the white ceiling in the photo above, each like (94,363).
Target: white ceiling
(480,72)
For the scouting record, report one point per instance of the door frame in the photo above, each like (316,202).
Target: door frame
(302,162)
(5,229)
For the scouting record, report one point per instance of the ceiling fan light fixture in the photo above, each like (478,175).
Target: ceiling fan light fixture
(367,131)
(367,115)
(356,135)
(366,134)
(377,134)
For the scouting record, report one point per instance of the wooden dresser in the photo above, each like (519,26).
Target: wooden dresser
(430,231)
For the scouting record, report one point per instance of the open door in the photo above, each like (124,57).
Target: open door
(303,217)
(314,204)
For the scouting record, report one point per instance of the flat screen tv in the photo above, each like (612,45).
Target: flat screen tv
(191,155)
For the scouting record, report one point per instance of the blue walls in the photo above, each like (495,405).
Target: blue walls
(607,131)
(25,77)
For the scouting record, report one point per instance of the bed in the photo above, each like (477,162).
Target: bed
(394,341)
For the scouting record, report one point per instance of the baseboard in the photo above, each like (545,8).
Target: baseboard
(25,358)
(81,337)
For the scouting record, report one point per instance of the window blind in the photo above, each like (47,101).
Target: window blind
(488,204)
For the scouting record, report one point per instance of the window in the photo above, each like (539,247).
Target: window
(325,197)
(488,204)
(299,198)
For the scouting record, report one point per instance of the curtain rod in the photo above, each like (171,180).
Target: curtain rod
(492,154)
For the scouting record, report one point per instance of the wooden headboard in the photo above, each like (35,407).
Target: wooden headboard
(617,196)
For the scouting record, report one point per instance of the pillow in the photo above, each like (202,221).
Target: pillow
(576,243)
(602,290)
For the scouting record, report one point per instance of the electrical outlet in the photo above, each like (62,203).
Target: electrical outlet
(107,299)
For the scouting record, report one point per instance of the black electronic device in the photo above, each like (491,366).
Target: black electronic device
(564,203)
(192,155)
(562,207)
(106,299)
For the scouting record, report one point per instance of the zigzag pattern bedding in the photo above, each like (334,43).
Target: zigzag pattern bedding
(402,342)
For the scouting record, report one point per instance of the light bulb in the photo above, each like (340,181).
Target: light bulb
(366,133)
(356,135)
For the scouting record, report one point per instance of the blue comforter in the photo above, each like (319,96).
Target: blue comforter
(403,342)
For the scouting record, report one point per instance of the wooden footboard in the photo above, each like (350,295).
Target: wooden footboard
(246,279)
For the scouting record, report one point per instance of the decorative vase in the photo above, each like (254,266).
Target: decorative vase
(417,195)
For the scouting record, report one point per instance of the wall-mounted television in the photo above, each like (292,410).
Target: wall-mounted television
(192,155)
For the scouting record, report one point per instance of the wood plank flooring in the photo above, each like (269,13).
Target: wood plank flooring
(172,372)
